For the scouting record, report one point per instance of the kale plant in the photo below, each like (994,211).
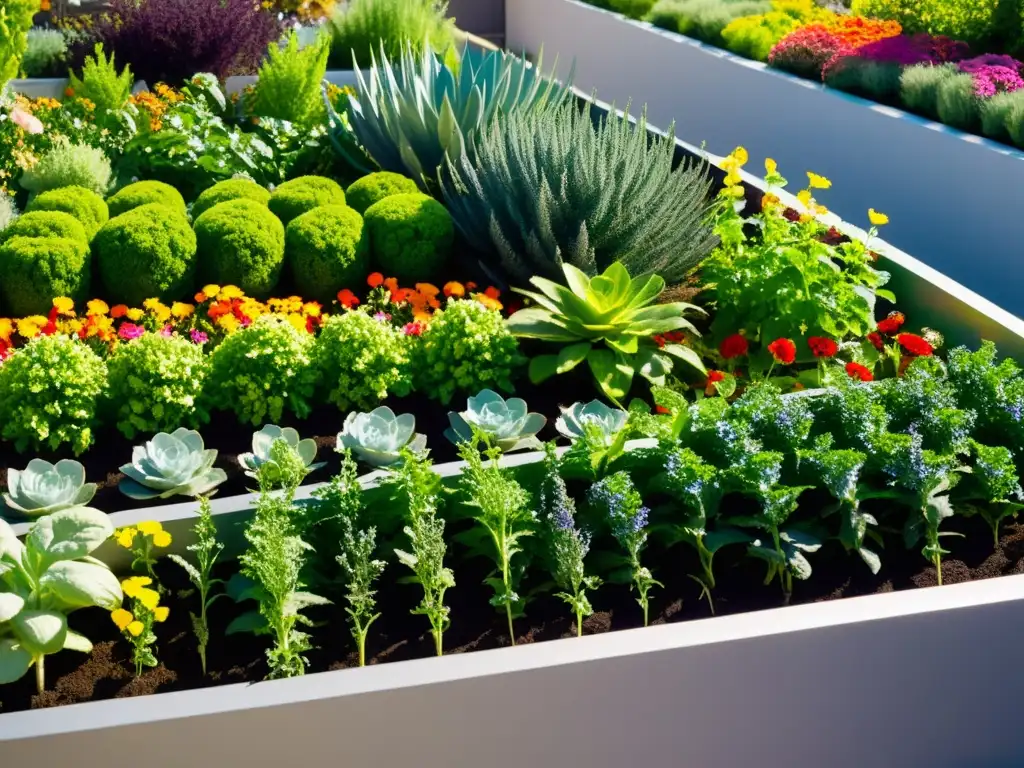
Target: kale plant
(994,484)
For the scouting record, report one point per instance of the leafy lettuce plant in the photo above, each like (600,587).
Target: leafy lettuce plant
(507,423)
(169,465)
(45,579)
(380,437)
(43,488)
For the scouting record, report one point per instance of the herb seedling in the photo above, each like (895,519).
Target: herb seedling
(137,624)
(503,508)
(140,541)
(206,550)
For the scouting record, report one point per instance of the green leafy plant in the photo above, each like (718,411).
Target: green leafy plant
(206,550)
(363,28)
(994,482)
(298,196)
(231,189)
(611,310)
(39,269)
(380,438)
(263,442)
(507,424)
(288,87)
(49,394)
(919,87)
(502,508)
(544,190)
(15,22)
(48,224)
(993,389)
(704,20)
(45,51)
(374,187)
(754,36)
(415,481)
(241,243)
(578,418)
(956,103)
(411,236)
(143,193)
(103,85)
(69,165)
(169,465)
(84,204)
(43,488)
(45,579)
(327,249)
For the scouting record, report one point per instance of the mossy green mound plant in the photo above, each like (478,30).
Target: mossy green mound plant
(327,250)
(148,252)
(68,165)
(232,189)
(36,270)
(240,242)
(411,236)
(144,193)
(374,187)
(46,224)
(295,197)
(84,204)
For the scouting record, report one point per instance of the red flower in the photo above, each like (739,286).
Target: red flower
(492,293)
(733,346)
(659,340)
(675,337)
(892,323)
(347,299)
(858,371)
(914,344)
(791,214)
(714,377)
(783,350)
(661,410)
(876,341)
(413,329)
(821,346)
(375,279)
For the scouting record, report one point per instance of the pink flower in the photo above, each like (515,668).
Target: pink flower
(198,337)
(990,80)
(25,121)
(167,330)
(413,329)
(382,317)
(130,331)
(989,60)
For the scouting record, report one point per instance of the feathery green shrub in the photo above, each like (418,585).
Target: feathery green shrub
(289,82)
(15,22)
(231,189)
(103,85)
(144,193)
(44,53)
(84,204)
(1015,123)
(365,28)
(957,104)
(411,237)
(374,187)
(755,36)
(878,80)
(36,270)
(240,242)
(327,250)
(995,114)
(295,197)
(919,87)
(46,224)
(703,19)
(69,165)
(547,187)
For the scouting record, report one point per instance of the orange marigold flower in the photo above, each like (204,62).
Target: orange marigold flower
(347,299)
(375,279)
(219,309)
(470,286)
(199,297)
(892,323)
(454,290)
(488,301)
(6,328)
(118,311)
(427,289)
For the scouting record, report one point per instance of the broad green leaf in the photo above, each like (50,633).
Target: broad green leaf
(687,355)
(77,642)
(41,632)
(723,537)
(68,535)
(577,280)
(571,356)
(612,375)
(536,323)
(14,661)
(873,561)
(627,345)
(652,365)
(252,621)
(10,605)
(543,367)
(644,290)
(81,585)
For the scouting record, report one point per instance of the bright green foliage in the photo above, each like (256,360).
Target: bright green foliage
(240,242)
(634,9)
(974,21)
(994,483)
(154,383)
(995,114)
(703,19)
(44,54)
(49,393)
(778,423)
(546,188)
(359,361)
(84,204)
(232,189)
(295,197)
(69,165)
(259,371)
(46,224)
(374,187)
(15,22)
(753,37)
(148,252)
(103,85)
(1015,122)
(924,402)
(919,87)
(607,321)
(144,193)
(363,29)
(956,103)
(408,116)
(36,270)
(411,237)
(465,348)
(8,211)
(994,390)
(289,82)
(327,250)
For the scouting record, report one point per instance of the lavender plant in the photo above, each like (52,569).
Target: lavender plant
(620,502)
(502,507)
(567,544)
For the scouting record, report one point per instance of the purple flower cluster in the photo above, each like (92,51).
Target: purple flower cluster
(914,49)
(978,63)
(990,80)
(622,503)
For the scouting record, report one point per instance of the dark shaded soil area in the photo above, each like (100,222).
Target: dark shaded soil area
(398,636)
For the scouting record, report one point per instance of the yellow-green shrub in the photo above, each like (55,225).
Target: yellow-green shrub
(755,36)
(968,20)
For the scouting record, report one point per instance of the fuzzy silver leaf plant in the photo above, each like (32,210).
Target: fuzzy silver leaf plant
(409,114)
(43,488)
(547,187)
(44,579)
(263,441)
(171,465)
(379,436)
(507,423)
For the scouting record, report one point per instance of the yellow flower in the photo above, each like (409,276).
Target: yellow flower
(311,308)
(181,310)
(818,182)
(149,598)
(133,585)
(770,166)
(770,201)
(121,618)
(150,527)
(6,328)
(488,302)
(877,219)
(740,155)
(733,178)
(125,537)
(231,292)
(162,539)
(97,307)
(64,305)
(134,314)
(211,290)
(135,628)
(230,323)
(734,191)
(804,196)
(297,321)
(29,327)
(161,613)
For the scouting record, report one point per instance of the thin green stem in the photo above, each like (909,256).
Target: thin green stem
(361,639)
(579,621)
(437,641)
(937,559)
(40,674)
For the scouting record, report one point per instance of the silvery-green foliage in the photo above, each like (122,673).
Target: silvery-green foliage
(45,578)
(8,212)
(42,488)
(379,436)
(169,465)
(410,114)
(264,439)
(547,187)
(577,417)
(507,423)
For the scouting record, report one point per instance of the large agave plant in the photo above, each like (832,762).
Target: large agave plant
(410,114)
(43,488)
(543,188)
(169,465)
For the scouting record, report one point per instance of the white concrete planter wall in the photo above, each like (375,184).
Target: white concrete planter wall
(954,199)
(53,87)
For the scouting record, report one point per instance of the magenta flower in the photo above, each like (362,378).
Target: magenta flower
(198,337)
(382,317)
(413,329)
(989,60)
(25,121)
(167,330)
(130,331)
(990,80)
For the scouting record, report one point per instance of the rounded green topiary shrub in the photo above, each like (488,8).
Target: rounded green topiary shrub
(46,224)
(411,236)
(148,252)
(154,383)
(84,204)
(259,371)
(144,193)
(327,250)
(295,197)
(36,270)
(232,189)
(373,188)
(49,392)
(359,361)
(241,243)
